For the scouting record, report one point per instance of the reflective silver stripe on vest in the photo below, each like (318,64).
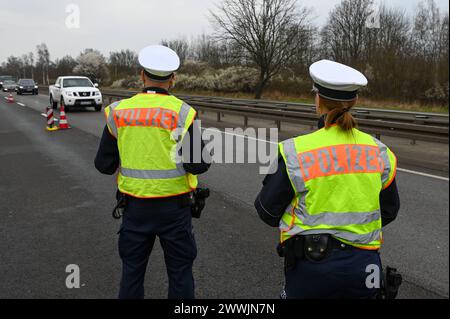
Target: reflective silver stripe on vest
(337,219)
(387,163)
(154,174)
(111,123)
(330,219)
(293,165)
(183,115)
(363,239)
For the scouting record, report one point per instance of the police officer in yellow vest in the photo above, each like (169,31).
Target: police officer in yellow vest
(332,194)
(141,142)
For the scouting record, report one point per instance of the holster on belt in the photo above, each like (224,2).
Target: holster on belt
(119,209)
(291,250)
(312,247)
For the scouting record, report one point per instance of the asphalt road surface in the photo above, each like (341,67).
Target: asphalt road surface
(56,211)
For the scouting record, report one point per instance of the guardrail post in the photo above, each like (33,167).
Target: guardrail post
(279,125)
(378,136)
(218,117)
(245,121)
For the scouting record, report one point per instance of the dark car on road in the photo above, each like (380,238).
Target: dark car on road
(27,86)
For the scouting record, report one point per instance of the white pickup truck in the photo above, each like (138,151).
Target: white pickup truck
(75,91)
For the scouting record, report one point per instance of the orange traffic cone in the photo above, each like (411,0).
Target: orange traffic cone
(63,124)
(10,98)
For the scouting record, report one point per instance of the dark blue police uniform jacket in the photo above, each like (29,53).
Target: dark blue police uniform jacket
(145,219)
(331,278)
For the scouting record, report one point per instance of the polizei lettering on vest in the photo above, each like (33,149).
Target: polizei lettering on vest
(340,159)
(148,117)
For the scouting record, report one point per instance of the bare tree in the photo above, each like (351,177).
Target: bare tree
(65,65)
(180,46)
(25,64)
(428,34)
(386,53)
(14,66)
(444,68)
(44,62)
(344,34)
(123,63)
(306,52)
(31,60)
(206,50)
(265,29)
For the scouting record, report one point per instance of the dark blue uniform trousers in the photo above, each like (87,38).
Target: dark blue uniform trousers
(342,275)
(143,221)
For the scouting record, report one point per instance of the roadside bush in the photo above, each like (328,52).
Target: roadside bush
(118,84)
(293,85)
(194,68)
(131,82)
(232,79)
(438,94)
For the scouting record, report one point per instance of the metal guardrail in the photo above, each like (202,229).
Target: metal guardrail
(411,125)
(404,124)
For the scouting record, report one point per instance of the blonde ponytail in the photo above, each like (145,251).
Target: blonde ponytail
(339,113)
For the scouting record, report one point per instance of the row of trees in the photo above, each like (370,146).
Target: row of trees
(404,57)
(90,63)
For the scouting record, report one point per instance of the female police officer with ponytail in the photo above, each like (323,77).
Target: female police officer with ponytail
(333,192)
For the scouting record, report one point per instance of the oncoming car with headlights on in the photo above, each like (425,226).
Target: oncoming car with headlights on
(9,86)
(27,86)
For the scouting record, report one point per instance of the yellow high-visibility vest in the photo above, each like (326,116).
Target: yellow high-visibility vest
(148,128)
(337,177)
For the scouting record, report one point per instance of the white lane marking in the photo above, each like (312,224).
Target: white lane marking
(239,135)
(423,174)
(446,179)
(21,104)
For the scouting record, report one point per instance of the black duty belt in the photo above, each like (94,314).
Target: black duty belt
(312,247)
(180,200)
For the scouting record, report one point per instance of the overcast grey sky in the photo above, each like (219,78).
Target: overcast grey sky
(118,24)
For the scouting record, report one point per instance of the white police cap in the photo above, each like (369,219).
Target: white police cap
(336,81)
(159,62)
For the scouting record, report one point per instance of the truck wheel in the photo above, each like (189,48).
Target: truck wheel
(53,104)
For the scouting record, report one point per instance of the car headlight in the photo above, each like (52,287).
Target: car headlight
(20,87)
(96,93)
(69,93)
(36,87)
